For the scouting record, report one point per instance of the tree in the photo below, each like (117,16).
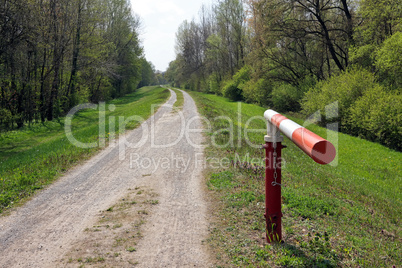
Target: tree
(57,53)
(303,37)
(378,20)
(148,73)
(213,49)
(388,61)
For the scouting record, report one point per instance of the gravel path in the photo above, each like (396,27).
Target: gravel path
(169,161)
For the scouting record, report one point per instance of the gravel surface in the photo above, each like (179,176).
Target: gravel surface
(165,154)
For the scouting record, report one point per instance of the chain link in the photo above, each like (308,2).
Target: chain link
(275,155)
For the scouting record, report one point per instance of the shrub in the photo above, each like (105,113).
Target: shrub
(231,91)
(388,60)
(233,88)
(363,56)
(286,97)
(377,116)
(213,84)
(344,89)
(257,91)
(365,108)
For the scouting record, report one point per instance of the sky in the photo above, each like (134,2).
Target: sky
(160,21)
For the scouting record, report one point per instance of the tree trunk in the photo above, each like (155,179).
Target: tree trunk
(76,51)
(328,40)
(349,19)
(42,88)
(56,63)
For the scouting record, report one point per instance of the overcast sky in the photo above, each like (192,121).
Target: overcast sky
(160,21)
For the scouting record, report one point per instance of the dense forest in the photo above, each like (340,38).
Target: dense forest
(55,54)
(301,56)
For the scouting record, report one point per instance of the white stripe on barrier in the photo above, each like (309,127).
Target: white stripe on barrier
(287,127)
(269,114)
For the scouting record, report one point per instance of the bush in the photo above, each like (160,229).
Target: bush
(233,88)
(344,89)
(231,91)
(257,91)
(388,61)
(286,97)
(381,120)
(365,108)
(362,56)
(213,84)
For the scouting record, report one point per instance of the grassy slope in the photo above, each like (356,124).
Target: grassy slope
(35,156)
(343,216)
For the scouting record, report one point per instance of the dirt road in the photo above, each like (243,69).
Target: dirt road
(164,155)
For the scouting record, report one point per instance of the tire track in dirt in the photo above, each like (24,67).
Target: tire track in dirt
(169,162)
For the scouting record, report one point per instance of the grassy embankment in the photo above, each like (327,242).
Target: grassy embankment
(334,216)
(33,157)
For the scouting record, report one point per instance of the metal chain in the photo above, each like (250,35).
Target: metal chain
(275,183)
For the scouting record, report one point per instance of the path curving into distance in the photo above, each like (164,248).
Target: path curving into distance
(166,154)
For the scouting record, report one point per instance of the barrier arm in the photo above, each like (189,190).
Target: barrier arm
(319,149)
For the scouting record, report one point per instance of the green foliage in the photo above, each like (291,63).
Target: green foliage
(148,73)
(379,40)
(319,242)
(364,107)
(57,54)
(6,118)
(334,52)
(380,19)
(214,84)
(131,249)
(377,116)
(160,78)
(257,91)
(363,56)
(233,89)
(344,89)
(388,61)
(286,97)
(242,76)
(173,74)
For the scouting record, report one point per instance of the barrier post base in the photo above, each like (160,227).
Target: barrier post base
(273,211)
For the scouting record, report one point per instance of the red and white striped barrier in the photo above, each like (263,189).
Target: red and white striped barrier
(319,149)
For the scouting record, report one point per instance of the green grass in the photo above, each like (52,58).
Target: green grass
(180,99)
(33,157)
(346,215)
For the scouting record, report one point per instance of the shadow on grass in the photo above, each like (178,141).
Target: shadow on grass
(5,154)
(56,126)
(130,98)
(9,149)
(85,117)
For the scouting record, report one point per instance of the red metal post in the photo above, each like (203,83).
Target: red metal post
(273,211)
(319,149)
